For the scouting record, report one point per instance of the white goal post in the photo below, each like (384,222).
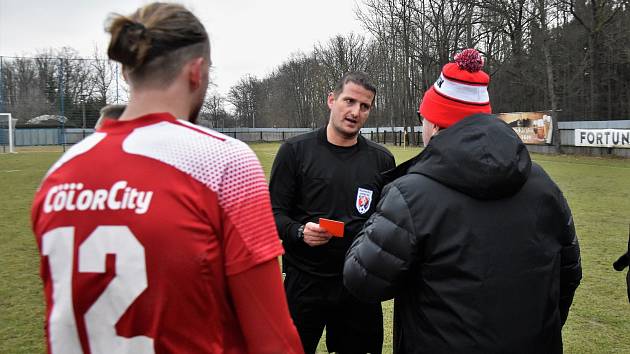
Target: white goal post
(7,121)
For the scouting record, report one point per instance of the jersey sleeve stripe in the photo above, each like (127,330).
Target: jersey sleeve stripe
(201,130)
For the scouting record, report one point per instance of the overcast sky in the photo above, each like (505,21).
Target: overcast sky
(247,36)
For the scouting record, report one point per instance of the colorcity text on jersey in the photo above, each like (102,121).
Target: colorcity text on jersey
(74,197)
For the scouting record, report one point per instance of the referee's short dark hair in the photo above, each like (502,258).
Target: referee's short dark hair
(356,77)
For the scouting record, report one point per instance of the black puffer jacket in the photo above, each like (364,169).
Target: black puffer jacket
(475,243)
(622,263)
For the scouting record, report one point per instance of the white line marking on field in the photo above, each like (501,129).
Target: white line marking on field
(9,171)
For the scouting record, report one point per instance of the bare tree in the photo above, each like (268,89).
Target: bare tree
(103,72)
(594,16)
(243,97)
(538,54)
(214,109)
(340,55)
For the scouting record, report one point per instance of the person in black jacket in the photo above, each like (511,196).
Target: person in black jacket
(474,241)
(623,262)
(331,173)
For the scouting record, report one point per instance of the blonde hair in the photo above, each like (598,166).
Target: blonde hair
(112,111)
(155,42)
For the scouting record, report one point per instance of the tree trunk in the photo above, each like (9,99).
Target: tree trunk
(592,42)
(555,137)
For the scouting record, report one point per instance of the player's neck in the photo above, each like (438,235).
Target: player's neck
(336,138)
(155,101)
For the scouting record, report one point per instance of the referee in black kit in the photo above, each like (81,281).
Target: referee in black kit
(331,173)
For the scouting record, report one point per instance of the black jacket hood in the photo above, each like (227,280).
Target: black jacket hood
(480,156)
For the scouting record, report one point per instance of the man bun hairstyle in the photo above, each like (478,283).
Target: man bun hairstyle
(130,43)
(155,41)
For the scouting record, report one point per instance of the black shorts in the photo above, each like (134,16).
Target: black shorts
(317,302)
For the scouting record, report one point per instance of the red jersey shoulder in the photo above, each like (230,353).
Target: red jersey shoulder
(230,168)
(203,154)
(78,149)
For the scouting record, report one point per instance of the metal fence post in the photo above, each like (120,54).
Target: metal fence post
(1,88)
(61,105)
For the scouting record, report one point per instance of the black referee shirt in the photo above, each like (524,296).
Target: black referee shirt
(311,179)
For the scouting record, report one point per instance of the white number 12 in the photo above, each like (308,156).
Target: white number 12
(101,318)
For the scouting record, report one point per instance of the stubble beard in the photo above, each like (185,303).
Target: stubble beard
(339,128)
(194,114)
(345,134)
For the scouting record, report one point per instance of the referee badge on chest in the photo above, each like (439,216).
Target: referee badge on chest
(364,200)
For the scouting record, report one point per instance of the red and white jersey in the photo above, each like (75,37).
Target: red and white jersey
(138,227)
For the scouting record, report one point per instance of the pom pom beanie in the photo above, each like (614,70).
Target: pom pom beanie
(460,91)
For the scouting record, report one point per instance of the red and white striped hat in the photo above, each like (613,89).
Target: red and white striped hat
(460,91)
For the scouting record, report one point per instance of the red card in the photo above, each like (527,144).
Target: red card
(333,227)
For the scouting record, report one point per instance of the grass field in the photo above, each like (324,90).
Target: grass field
(598,191)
